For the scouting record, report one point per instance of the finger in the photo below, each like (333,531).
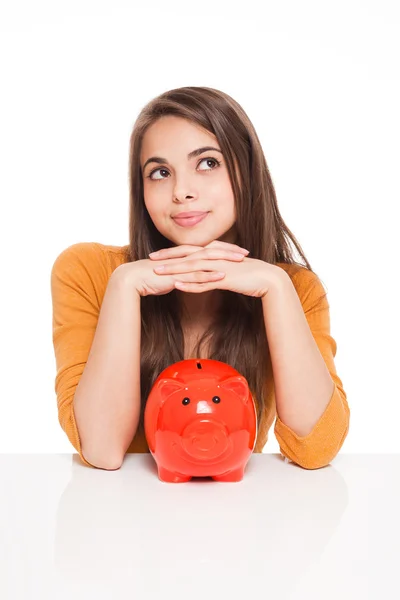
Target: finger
(186,266)
(229,254)
(199,281)
(187,249)
(196,288)
(227,245)
(175,252)
(200,276)
(211,254)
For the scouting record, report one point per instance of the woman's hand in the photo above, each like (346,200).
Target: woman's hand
(196,269)
(147,282)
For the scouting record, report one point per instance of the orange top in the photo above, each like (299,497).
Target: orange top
(79,279)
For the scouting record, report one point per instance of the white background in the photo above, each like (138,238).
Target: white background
(320,82)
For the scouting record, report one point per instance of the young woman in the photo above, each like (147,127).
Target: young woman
(230,290)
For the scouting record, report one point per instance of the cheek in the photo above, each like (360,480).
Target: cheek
(158,188)
(153,203)
(220,190)
(221,198)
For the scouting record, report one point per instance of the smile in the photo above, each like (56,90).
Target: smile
(189,221)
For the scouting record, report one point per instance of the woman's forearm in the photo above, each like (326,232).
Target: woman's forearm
(107,398)
(303,384)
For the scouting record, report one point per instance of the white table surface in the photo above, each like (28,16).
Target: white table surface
(283,532)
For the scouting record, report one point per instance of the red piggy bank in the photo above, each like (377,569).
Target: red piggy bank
(200,421)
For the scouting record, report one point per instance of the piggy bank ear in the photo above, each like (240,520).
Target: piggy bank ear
(159,395)
(166,387)
(238,385)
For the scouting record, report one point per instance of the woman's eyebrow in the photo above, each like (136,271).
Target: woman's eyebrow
(160,160)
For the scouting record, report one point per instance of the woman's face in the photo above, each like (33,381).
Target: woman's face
(180,184)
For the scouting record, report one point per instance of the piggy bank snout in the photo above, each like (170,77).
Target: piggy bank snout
(205,438)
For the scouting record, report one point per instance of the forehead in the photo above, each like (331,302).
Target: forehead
(174,135)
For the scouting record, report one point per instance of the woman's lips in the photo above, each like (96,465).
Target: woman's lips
(189,221)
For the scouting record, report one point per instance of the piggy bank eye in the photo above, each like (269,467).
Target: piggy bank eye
(185,401)
(216,399)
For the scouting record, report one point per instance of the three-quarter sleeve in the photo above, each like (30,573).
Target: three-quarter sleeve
(77,275)
(322,444)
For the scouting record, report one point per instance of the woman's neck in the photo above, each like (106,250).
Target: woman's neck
(201,308)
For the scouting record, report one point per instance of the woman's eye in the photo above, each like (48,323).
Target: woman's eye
(214,160)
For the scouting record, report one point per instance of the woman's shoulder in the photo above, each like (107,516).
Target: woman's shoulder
(292,269)
(116,255)
(87,266)
(301,276)
(92,256)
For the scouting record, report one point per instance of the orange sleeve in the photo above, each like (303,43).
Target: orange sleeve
(78,276)
(322,444)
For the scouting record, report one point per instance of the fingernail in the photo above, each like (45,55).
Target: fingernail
(238,254)
(154,253)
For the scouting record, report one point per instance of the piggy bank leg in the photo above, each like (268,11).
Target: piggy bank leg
(234,475)
(170,477)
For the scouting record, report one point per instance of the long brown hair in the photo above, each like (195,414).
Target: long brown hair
(238,335)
